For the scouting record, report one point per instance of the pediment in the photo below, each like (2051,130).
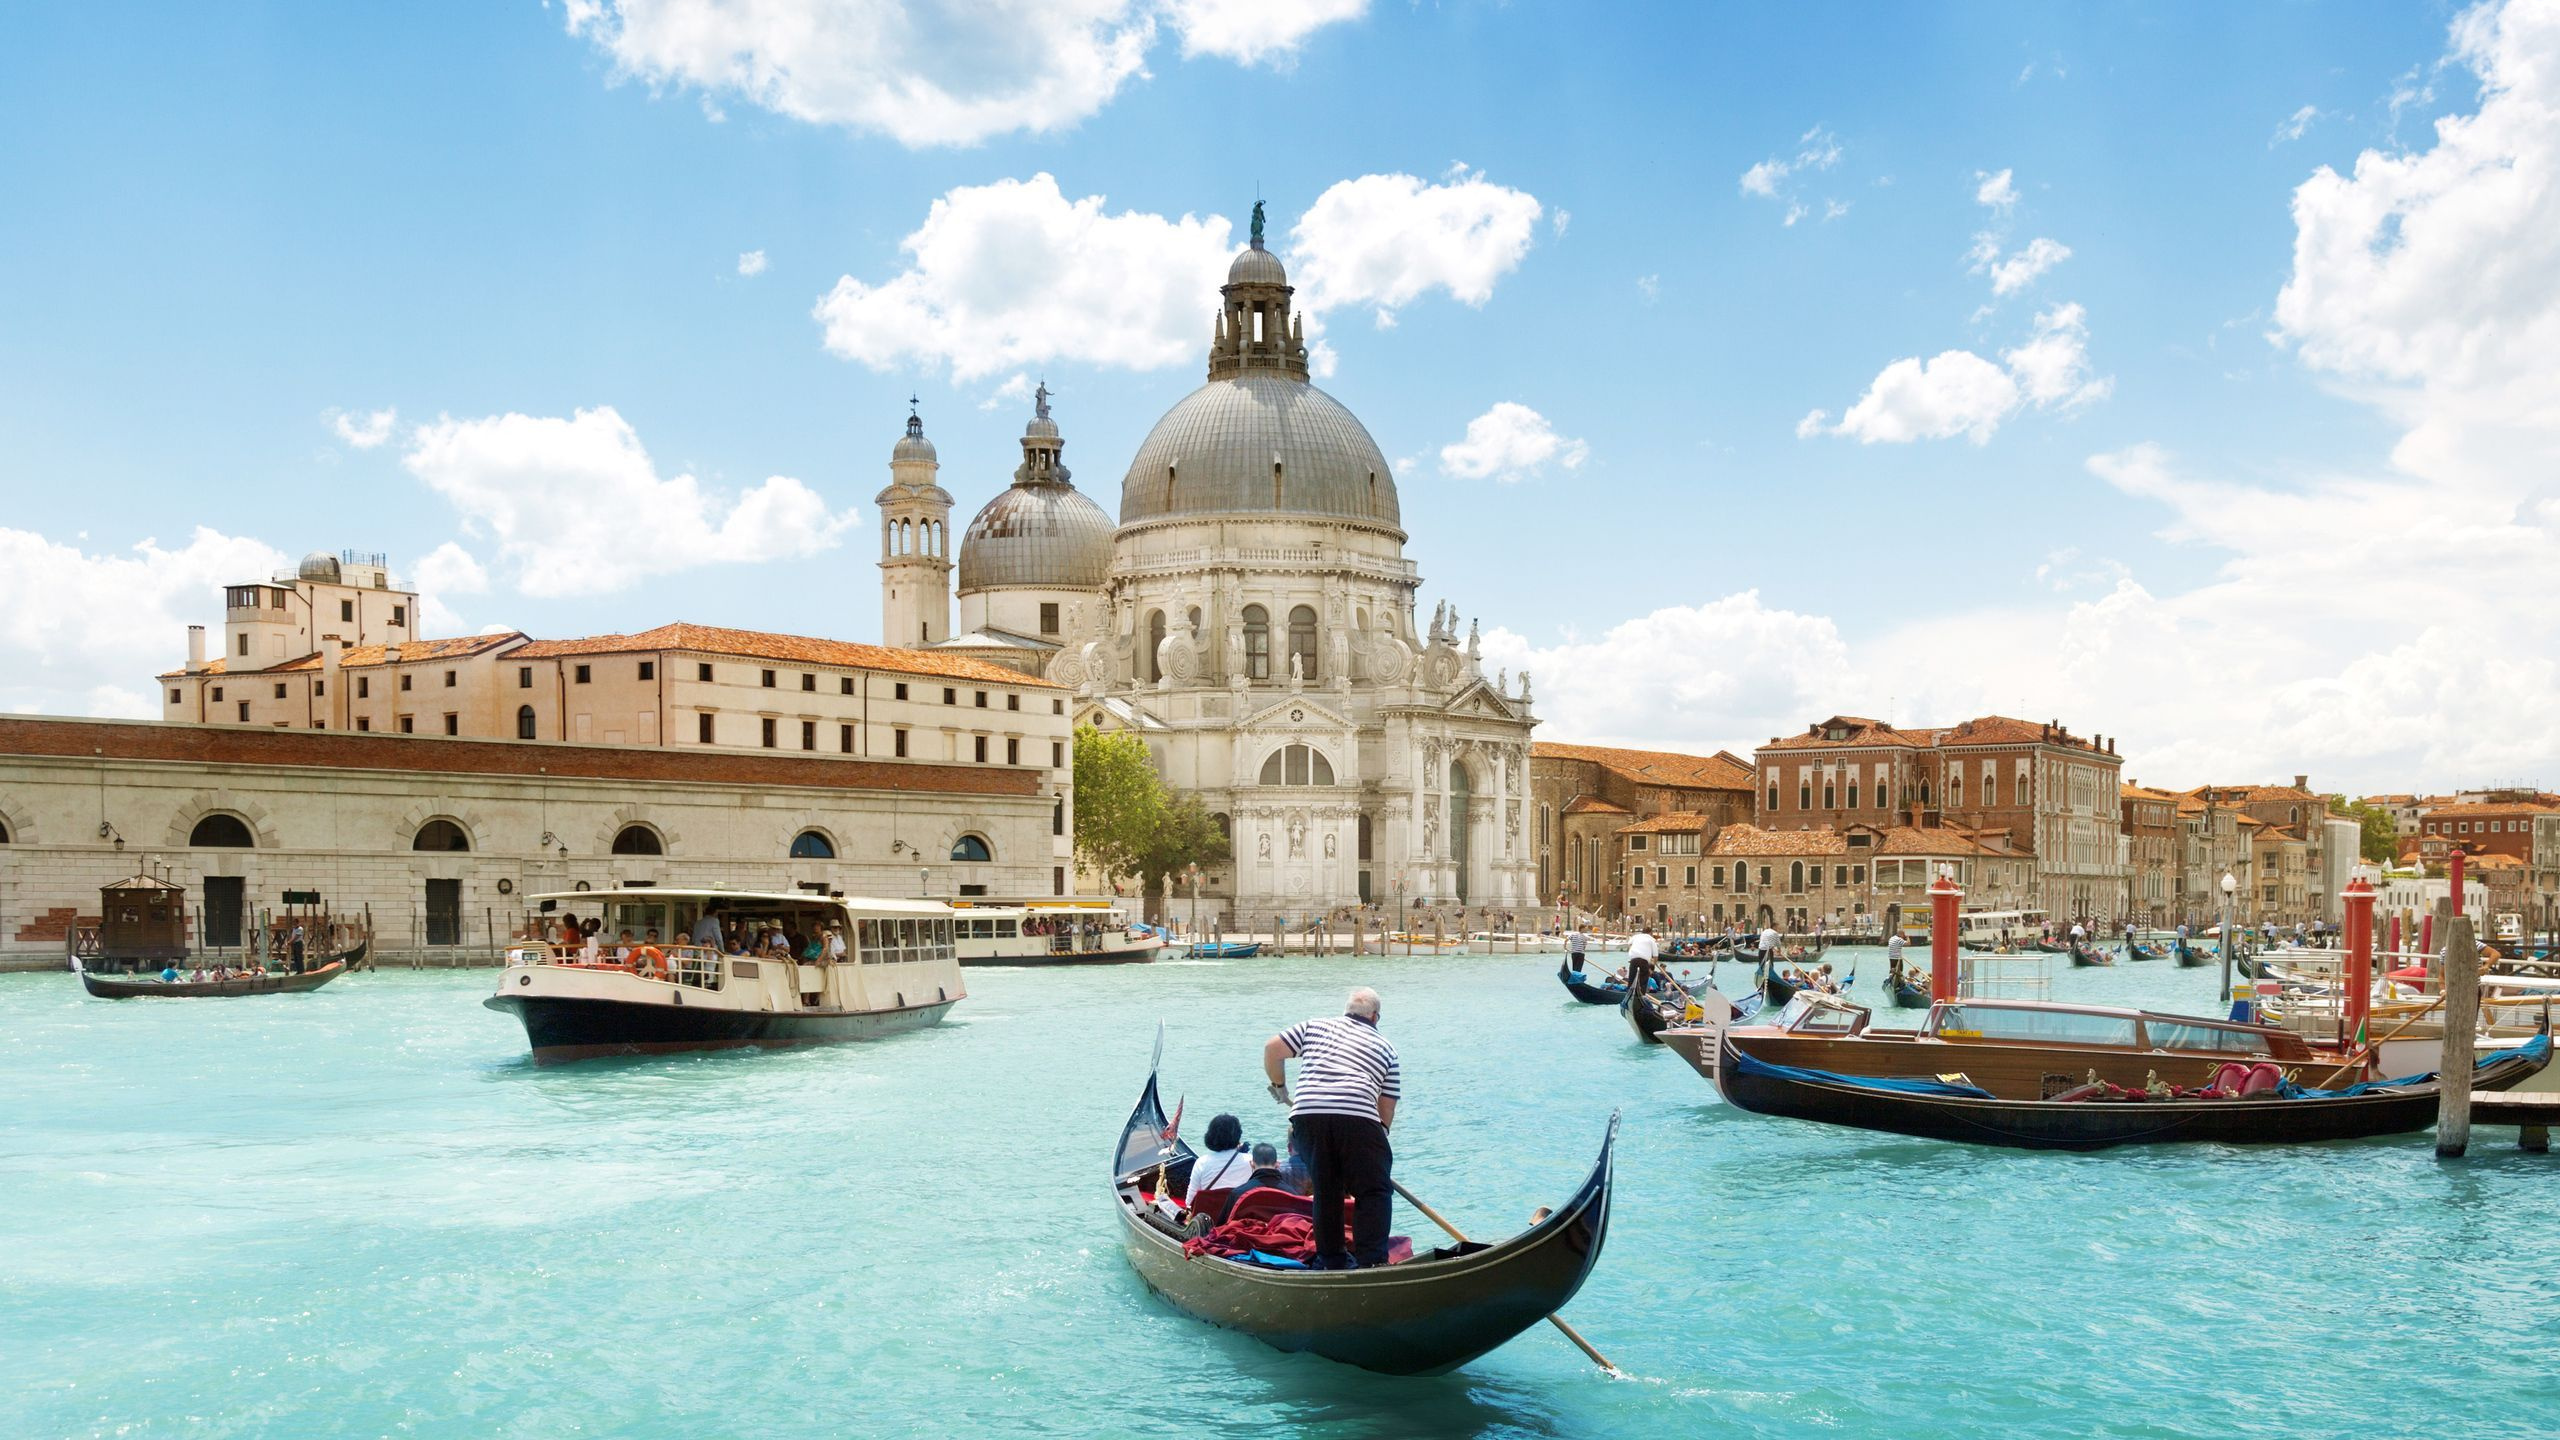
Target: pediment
(1299,713)
(1482,701)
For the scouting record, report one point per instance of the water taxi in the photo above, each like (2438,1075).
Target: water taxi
(1049,932)
(634,985)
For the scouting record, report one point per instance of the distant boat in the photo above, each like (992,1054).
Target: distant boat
(279,982)
(1589,992)
(1907,993)
(1224,949)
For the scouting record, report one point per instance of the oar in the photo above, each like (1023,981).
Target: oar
(1556,1320)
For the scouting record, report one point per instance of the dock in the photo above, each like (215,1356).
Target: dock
(2533,1115)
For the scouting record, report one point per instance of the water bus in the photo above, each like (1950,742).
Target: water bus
(1049,931)
(883,966)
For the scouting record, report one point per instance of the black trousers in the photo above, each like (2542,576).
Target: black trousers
(1349,1155)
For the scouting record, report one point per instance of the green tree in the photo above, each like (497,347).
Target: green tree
(2379,834)
(1119,801)
(1185,835)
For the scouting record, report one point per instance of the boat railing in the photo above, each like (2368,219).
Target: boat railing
(694,966)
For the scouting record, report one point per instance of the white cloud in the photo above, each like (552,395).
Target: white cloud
(1728,672)
(1817,149)
(2294,125)
(2021,267)
(1960,393)
(751,262)
(949,73)
(364,431)
(1253,31)
(82,633)
(1563,221)
(1999,192)
(1511,442)
(1014,273)
(1650,286)
(1387,240)
(1015,389)
(449,569)
(579,508)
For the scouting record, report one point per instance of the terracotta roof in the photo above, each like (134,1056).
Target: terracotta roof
(354,657)
(2493,861)
(2477,811)
(1594,805)
(2130,791)
(2008,730)
(1862,733)
(1934,840)
(792,649)
(2254,794)
(1673,822)
(1752,841)
(1720,771)
(1981,730)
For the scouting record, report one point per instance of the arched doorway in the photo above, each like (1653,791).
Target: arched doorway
(1461,794)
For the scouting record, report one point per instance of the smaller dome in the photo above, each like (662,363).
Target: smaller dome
(319,565)
(913,445)
(1038,535)
(1257,266)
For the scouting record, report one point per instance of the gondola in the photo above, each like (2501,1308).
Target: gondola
(1779,989)
(2051,947)
(1589,993)
(2090,955)
(2133,951)
(1426,1316)
(1908,993)
(1950,1110)
(138,987)
(2245,961)
(2190,958)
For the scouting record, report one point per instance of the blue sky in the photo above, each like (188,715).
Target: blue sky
(231,228)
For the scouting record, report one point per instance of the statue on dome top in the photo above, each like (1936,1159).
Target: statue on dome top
(1257,224)
(1040,400)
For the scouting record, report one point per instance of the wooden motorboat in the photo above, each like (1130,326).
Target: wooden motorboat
(1589,993)
(1425,1316)
(900,972)
(1955,1109)
(274,982)
(2016,1049)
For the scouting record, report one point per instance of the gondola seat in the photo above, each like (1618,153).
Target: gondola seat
(1253,1230)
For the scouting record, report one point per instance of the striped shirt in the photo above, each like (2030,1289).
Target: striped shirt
(1344,1067)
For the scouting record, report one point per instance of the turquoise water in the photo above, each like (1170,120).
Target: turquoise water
(362,1212)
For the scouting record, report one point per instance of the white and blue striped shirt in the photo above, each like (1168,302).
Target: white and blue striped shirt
(1344,1067)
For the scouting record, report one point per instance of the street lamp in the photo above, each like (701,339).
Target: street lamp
(1192,872)
(2230,890)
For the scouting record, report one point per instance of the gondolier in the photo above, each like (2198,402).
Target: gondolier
(1575,944)
(1348,1085)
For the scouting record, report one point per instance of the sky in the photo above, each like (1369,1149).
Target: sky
(2189,374)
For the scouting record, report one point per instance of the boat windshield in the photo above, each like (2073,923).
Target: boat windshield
(2034,1026)
(2211,1039)
(1810,1014)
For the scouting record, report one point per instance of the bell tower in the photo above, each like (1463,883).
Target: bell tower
(915,544)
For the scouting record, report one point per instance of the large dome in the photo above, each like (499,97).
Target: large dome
(1043,535)
(1214,454)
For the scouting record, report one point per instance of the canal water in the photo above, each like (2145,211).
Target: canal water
(363,1212)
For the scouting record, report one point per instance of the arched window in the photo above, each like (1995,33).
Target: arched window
(971,848)
(524,722)
(1991,791)
(1297,765)
(810,845)
(1226,827)
(1257,643)
(229,831)
(1795,876)
(638,840)
(1302,640)
(1155,638)
(4,832)
(1955,791)
(440,835)
(1364,835)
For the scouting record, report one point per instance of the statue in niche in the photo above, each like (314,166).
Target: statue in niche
(1235,650)
(1297,672)
(1328,847)
(1262,846)
(1339,645)
(1297,837)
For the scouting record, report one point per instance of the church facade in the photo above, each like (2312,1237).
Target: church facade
(1251,614)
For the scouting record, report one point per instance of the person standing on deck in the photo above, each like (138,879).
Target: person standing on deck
(1769,943)
(1893,956)
(1348,1085)
(1575,944)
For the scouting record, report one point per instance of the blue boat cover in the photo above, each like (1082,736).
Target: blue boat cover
(1940,1088)
(2538,1049)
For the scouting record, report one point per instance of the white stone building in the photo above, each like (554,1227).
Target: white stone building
(1253,616)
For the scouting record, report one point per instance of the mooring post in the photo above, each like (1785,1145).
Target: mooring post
(1943,899)
(2359,978)
(2461,1015)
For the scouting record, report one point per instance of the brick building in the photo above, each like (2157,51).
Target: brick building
(1583,796)
(2151,853)
(2056,794)
(2492,828)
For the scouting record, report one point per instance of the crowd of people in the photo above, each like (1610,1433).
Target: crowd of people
(583,942)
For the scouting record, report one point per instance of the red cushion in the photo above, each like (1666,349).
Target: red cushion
(1264,1200)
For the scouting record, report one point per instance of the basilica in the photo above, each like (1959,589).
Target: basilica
(1252,616)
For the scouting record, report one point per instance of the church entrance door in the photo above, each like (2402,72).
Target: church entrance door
(1461,826)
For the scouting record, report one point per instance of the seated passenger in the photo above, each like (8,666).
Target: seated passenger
(169,972)
(1225,1164)
(835,945)
(738,945)
(1266,1169)
(622,951)
(648,959)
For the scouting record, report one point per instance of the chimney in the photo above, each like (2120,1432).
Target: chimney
(336,698)
(195,649)
(2301,782)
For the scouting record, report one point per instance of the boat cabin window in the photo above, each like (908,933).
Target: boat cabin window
(2067,1027)
(1826,1020)
(2212,1039)
(904,940)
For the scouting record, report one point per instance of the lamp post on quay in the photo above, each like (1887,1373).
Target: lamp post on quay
(2230,890)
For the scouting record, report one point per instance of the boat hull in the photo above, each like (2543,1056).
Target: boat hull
(109,987)
(1118,955)
(1588,993)
(565,1028)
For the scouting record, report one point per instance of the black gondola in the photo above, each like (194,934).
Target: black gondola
(1941,1110)
(1587,992)
(274,982)
(1779,989)
(1908,992)
(2190,958)
(2133,951)
(2090,955)
(1429,1315)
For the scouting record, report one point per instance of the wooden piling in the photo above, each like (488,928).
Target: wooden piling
(2461,1020)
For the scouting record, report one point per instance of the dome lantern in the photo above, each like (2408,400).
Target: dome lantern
(1041,532)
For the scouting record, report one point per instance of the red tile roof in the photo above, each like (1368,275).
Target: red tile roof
(407,652)
(1721,771)
(1982,730)
(2478,811)
(1673,822)
(792,649)
(1938,840)
(1752,841)
(1594,805)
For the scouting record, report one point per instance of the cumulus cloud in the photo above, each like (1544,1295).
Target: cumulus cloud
(930,72)
(366,430)
(1775,178)
(1996,191)
(1014,273)
(751,262)
(542,488)
(2019,269)
(1511,442)
(82,633)
(1383,241)
(449,569)
(1958,392)
(1727,672)
(1253,32)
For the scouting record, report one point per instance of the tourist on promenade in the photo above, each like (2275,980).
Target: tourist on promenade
(1348,1084)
